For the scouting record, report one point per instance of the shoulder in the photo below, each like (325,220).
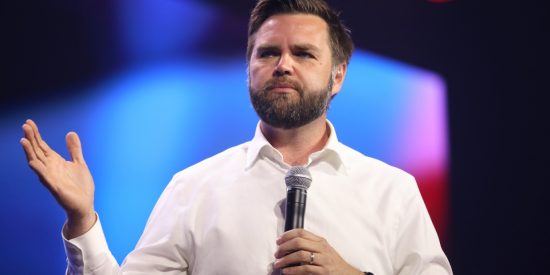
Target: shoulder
(224,163)
(231,158)
(357,162)
(190,187)
(376,175)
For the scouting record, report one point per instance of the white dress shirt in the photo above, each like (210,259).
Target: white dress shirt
(224,214)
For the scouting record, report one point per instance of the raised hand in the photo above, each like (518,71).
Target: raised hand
(316,256)
(70,182)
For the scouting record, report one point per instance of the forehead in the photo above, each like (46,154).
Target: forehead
(293,29)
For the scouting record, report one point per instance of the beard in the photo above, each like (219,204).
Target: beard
(284,110)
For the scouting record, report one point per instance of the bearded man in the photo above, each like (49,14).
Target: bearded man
(223,215)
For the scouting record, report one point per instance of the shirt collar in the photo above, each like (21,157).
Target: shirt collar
(332,154)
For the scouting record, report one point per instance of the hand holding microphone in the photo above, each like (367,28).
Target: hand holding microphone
(300,251)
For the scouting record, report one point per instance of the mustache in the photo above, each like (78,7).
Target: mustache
(283,81)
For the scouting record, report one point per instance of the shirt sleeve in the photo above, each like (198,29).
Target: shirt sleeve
(417,249)
(159,250)
(90,254)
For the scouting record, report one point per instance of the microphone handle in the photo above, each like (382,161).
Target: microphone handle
(295,208)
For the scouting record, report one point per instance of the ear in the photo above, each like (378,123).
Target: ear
(339,77)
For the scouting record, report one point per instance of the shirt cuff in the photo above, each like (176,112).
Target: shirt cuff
(88,251)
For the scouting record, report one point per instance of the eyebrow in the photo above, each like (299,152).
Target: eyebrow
(297,47)
(305,47)
(267,48)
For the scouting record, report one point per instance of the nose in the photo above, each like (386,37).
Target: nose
(284,66)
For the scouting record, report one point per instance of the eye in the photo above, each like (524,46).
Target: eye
(267,54)
(304,54)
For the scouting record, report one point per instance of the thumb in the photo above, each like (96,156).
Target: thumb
(74,147)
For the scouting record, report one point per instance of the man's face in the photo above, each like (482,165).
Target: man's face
(290,70)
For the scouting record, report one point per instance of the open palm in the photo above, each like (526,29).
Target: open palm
(70,182)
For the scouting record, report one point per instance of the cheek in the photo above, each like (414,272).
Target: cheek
(315,80)
(256,76)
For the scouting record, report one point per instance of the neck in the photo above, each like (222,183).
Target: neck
(297,144)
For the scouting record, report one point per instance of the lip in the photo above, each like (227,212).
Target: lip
(281,88)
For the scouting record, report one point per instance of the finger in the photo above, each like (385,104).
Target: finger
(297,257)
(297,244)
(39,168)
(43,145)
(27,148)
(297,233)
(74,147)
(34,163)
(30,136)
(303,269)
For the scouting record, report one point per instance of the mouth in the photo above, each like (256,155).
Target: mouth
(281,88)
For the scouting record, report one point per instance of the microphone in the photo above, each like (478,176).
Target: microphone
(298,180)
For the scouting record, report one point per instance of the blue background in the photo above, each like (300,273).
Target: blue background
(62,60)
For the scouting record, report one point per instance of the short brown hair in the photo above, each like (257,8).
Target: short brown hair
(339,36)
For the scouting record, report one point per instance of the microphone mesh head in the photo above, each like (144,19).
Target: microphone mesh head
(298,177)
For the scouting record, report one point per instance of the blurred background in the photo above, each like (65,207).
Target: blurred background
(450,91)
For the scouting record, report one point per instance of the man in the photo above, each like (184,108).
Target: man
(223,215)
